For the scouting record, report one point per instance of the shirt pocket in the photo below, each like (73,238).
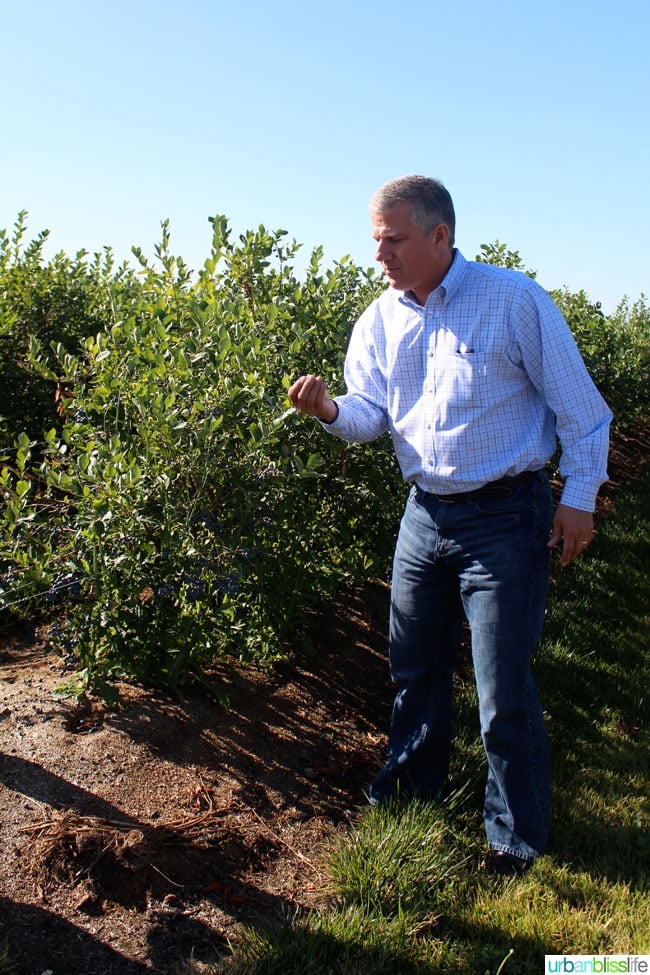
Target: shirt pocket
(461,379)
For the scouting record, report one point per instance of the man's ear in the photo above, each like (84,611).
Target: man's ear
(440,234)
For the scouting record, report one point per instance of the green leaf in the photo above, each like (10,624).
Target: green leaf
(23,488)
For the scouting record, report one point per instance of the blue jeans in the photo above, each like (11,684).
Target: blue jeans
(487,560)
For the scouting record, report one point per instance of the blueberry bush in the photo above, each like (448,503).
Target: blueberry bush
(162,506)
(180,511)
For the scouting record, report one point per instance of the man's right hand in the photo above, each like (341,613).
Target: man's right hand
(309,395)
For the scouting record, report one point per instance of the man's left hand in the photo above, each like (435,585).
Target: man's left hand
(574,528)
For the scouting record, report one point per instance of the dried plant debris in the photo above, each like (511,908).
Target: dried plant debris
(7,964)
(66,847)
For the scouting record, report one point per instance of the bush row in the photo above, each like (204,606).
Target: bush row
(157,491)
(176,509)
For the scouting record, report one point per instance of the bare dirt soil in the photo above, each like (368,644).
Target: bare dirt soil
(135,840)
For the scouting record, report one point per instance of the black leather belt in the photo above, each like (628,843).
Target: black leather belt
(495,489)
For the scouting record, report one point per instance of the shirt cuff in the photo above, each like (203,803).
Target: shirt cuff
(580,494)
(331,423)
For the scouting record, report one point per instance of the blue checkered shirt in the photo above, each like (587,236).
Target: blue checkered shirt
(476,385)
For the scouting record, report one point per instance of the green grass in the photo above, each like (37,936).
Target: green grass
(408,893)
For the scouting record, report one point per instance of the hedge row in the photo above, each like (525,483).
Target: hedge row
(161,502)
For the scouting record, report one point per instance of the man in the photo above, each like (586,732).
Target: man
(475,373)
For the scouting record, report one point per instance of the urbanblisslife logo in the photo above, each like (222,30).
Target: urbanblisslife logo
(592,964)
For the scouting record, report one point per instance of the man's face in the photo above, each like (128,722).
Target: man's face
(410,260)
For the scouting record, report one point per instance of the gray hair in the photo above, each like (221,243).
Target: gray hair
(430,202)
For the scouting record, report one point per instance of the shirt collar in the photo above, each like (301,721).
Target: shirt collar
(447,287)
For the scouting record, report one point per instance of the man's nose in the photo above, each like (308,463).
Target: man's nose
(382,250)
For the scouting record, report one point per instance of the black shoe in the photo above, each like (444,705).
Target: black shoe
(501,864)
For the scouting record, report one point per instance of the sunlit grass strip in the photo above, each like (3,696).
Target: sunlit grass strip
(401,859)
(408,894)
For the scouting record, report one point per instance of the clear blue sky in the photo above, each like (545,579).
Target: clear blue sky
(115,116)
